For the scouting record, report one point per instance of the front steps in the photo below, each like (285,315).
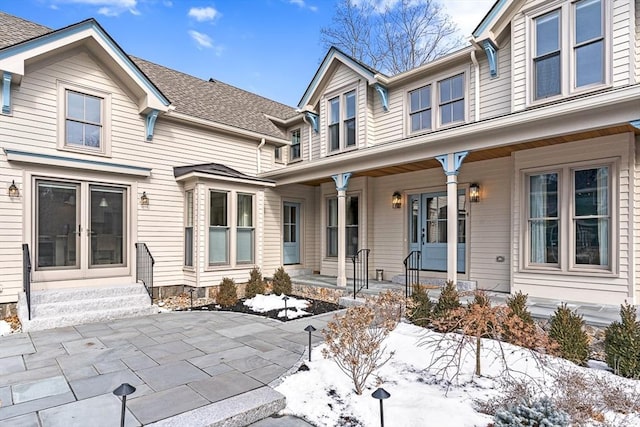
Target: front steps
(463,285)
(66,307)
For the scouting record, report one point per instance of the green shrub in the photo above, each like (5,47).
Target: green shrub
(518,305)
(421,306)
(281,282)
(447,305)
(567,330)
(622,343)
(255,285)
(227,293)
(539,413)
(519,327)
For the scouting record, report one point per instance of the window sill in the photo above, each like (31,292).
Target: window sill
(583,272)
(227,267)
(587,90)
(89,151)
(298,160)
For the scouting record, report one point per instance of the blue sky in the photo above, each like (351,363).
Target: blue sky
(270,47)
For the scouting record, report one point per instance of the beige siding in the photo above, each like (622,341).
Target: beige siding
(605,288)
(519,62)
(495,93)
(637,42)
(622,42)
(635,209)
(389,125)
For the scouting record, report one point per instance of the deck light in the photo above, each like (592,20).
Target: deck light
(396,200)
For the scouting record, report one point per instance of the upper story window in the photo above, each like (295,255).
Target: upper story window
(569,50)
(451,99)
(342,121)
(294,151)
(420,108)
(84,119)
(277,154)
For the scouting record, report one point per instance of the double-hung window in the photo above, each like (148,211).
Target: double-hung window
(83,120)
(244,229)
(351,225)
(420,108)
(188,229)
(570,49)
(342,122)
(294,152)
(569,214)
(218,228)
(451,99)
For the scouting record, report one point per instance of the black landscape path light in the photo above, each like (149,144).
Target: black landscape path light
(285,299)
(381,394)
(124,390)
(310,329)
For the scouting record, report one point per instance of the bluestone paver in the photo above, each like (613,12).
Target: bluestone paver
(5,396)
(26,420)
(36,405)
(225,385)
(164,404)
(99,411)
(101,384)
(82,345)
(38,389)
(11,364)
(171,375)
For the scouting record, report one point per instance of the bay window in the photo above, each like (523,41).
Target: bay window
(244,229)
(188,229)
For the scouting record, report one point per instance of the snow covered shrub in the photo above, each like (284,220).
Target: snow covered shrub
(281,282)
(227,293)
(256,284)
(622,343)
(420,307)
(444,319)
(567,330)
(354,341)
(540,413)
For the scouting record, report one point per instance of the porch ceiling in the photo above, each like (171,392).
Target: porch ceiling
(492,153)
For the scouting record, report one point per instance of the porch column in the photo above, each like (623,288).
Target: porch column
(342,181)
(451,164)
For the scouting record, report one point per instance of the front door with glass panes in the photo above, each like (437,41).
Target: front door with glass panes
(428,230)
(291,233)
(80,230)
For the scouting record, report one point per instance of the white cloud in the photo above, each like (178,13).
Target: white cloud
(466,13)
(203,41)
(105,7)
(303,4)
(202,14)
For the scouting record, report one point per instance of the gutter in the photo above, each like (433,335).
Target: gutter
(258,155)
(476,72)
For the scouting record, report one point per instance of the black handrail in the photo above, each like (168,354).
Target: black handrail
(26,275)
(411,272)
(144,267)
(360,270)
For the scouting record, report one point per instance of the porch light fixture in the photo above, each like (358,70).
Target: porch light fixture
(144,199)
(104,203)
(474,193)
(13,189)
(396,200)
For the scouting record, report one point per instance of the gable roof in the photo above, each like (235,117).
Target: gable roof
(217,101)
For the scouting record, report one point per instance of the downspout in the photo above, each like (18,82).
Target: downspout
(309,134)
(259,156)
(476,72)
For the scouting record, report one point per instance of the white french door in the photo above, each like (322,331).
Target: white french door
(81,230)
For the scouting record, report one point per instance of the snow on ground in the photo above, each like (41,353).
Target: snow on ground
(5,328)
(262,303)
(424,395)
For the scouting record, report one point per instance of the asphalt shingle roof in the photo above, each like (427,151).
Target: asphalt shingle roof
(208,100)
(214,169)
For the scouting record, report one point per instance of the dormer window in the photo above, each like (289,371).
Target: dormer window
(342,121)
(569,51)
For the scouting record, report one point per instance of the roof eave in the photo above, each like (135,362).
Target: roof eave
(210,176)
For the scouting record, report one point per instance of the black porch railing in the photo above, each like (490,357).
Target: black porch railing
(26,276)
(411,272)
(360,271)
(144,267)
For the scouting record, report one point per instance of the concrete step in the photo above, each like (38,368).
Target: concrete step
(236,411)
(463,285)
(68,307)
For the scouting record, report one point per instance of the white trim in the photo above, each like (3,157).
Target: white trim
(212,177)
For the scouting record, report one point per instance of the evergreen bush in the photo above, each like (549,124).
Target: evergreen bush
(447,305)
(227,293)
(518,305)
(622,343)
(567,330)
(281,282)
(420,306)
(540,413)
(256,284)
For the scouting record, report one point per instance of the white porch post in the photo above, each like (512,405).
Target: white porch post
(342,181)
(451,164)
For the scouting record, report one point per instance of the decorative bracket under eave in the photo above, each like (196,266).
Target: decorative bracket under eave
(341,180)
(492,55)
(6,93)
(313,118)
(384,96)
(151,123)
(453,167)
(635,124)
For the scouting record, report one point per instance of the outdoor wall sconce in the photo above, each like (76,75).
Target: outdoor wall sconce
(144,199)
(396,200)
(13,189)
(474,193)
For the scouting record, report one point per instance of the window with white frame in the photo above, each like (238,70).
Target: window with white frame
(218,228)
(342,122)
(188,229)
(451,99)
(351,226)
(569,213)
(420,108)
(569,52)
(277,154)
(244,229)
(294,151)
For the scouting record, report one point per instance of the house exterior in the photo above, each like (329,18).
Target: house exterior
(511,163)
